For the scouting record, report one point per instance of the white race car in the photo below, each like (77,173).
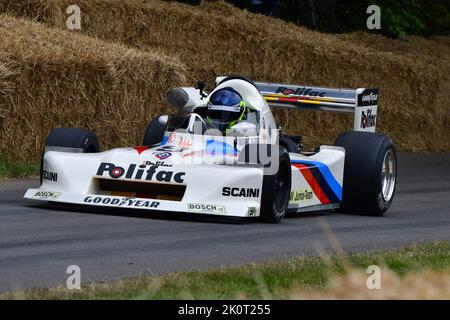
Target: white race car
(223,154)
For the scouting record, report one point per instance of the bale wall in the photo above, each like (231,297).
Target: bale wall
(218,39)
(51,78)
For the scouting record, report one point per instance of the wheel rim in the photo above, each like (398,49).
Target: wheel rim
(281,186)
(388,176)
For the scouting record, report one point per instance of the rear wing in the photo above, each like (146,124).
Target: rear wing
(361,102)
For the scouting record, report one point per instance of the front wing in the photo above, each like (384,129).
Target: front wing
(224,209)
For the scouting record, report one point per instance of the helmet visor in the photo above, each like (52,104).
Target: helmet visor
(225,97)
(223,116)
(224,107)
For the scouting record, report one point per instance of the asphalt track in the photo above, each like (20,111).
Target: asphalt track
(38,242)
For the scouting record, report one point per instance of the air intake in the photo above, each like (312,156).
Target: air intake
(138,189)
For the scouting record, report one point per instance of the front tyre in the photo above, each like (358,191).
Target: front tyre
(370,172)
(276,190)
(154,134)
(74,138)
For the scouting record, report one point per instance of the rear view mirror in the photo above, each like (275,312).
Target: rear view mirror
(177,98)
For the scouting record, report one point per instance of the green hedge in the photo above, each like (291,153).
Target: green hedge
(409,17)
(415,17)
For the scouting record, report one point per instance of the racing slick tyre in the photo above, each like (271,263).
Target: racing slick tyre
(71,138)
(276,190)
(276,186)
(154,133)
(370,172)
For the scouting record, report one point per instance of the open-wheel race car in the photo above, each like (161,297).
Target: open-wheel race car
(223,154)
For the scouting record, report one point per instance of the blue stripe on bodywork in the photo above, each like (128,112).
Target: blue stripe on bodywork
(219,147)
(164,141)
(326,173)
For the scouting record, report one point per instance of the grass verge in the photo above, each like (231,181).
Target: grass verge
(406,273)
(13,169)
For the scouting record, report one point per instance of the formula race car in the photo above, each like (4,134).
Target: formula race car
(223,154)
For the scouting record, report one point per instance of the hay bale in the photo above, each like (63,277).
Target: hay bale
(51,78)
(216,39)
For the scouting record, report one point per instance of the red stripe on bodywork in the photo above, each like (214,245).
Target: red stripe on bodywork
(140,149)
(316,188)
(288,100)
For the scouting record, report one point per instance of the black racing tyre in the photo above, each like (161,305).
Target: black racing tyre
(71,138)
(276,190)
(276,186)
(154,133)
(370,172)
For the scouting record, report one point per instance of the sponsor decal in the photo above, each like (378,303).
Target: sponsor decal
(49,175)
(117,172)
(162,155)
(125,202)
(198,153)
(140,149)
(47,195)
(172,137)
(185,142)
(371,97)
(301,92)
(301,195)
(171,149)
(156,164)
(368,97)
(320,179)
(240,192)
(251,211)
(140,172)
(368,120)
(206,208)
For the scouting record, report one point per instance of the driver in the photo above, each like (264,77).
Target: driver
(225,109)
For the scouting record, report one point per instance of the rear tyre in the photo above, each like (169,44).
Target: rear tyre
(370,172)
(276,190)
(76,138)
(154,133)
